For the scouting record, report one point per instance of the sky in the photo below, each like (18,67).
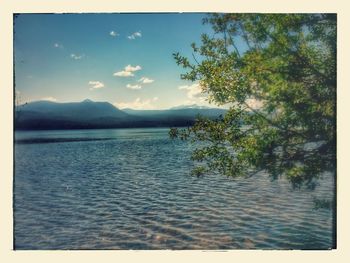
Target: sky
(125,59)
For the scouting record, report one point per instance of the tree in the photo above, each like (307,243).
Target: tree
(277,74)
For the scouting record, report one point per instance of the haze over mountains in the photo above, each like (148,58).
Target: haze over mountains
(93,115)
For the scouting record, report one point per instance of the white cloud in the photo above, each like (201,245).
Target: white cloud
(58,45)
(129,86)
(135,35)
(193,91)
(145,80)
(195,95)
(76,57)
(200,101)
(123,73)
(127,72)
(113,33)
(137,104)
(254,103)
(49,99)
(96,85)
(132,69)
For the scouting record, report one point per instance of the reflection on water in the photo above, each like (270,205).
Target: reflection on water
(131,189)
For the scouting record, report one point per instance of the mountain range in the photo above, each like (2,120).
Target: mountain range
(93,115)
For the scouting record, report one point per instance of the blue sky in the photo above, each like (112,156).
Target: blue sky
(125,59)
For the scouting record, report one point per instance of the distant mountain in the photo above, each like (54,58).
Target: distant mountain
(85,110)
(191,112)
(89,114)
(192,106)
(53,115)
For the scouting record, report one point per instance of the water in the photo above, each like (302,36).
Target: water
(131,189)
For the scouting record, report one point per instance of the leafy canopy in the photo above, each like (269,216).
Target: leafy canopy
(280,87)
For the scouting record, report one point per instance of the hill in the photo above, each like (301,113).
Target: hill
(92,115)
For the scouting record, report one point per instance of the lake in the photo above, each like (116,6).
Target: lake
(132,189)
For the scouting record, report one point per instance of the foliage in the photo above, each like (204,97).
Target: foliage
(277,73)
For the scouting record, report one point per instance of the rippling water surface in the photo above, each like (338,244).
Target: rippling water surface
(131,189)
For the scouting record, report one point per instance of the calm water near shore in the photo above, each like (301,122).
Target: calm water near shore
(131,189)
